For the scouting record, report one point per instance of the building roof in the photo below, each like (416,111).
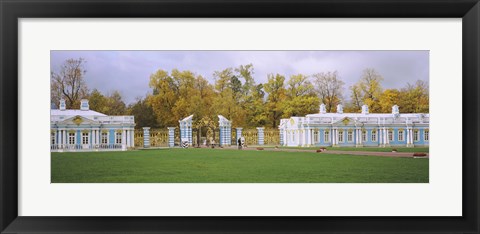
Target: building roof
(374,115)
(70,112)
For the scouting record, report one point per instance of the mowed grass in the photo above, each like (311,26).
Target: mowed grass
(370,149)
(232,166)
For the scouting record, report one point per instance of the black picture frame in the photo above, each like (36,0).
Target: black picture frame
(11,11)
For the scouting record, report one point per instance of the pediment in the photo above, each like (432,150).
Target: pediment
(346,121)
(78,120)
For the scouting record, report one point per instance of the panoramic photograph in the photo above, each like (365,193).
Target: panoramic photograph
(239,116)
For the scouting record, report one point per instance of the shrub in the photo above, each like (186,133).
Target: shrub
(394,150)
(323,148)
(419,154)
(319,151)
(259,148)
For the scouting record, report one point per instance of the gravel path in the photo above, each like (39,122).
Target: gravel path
(363,153)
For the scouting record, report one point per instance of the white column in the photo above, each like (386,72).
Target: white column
(124,137)
(336,136)
(387,135)
(305,136)
(357,142)
(58,137)
(309,139)
(64,136)
(408,136)
(312,132)
(332,136)
(384,136)
(411,137)
(358,137)
(379,136)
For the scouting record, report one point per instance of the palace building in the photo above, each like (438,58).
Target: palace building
(87,130)
(356,129)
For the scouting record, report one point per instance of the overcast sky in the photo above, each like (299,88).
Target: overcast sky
(129,71)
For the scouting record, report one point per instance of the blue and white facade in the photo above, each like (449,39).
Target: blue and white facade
(225,132)
(356,129)
(186,130)
(87,130)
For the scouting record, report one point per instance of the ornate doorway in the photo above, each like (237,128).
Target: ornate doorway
(205,132)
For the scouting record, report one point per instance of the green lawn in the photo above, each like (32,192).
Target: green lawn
(232,166)
(374,149)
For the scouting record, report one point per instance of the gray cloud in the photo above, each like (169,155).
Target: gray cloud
(129,71)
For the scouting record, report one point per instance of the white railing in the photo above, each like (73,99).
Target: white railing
(115,119)
(101,119)
(77,147)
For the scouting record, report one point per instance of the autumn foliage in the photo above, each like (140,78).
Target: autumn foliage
(236,94)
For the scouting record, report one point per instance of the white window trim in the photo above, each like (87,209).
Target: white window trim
(417,135)
(316,135)
(87,137)
(74,138)
(401,135)
(101,137)
(120,138)
(342,139)
(390,136)
(425,134)
(364,136)
(349,133)
(374,135)
(326,138)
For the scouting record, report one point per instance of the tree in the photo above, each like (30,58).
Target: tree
(246,72)
(329,89)
(389,98)
(109,105)
(164,97)
(97,101)
(356,98)
(414,98)
(116,106)
(227,101)
(69,83)
(301,97)
(275,88)
(143,113)
(369,89)
(252,98)
(255,107)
